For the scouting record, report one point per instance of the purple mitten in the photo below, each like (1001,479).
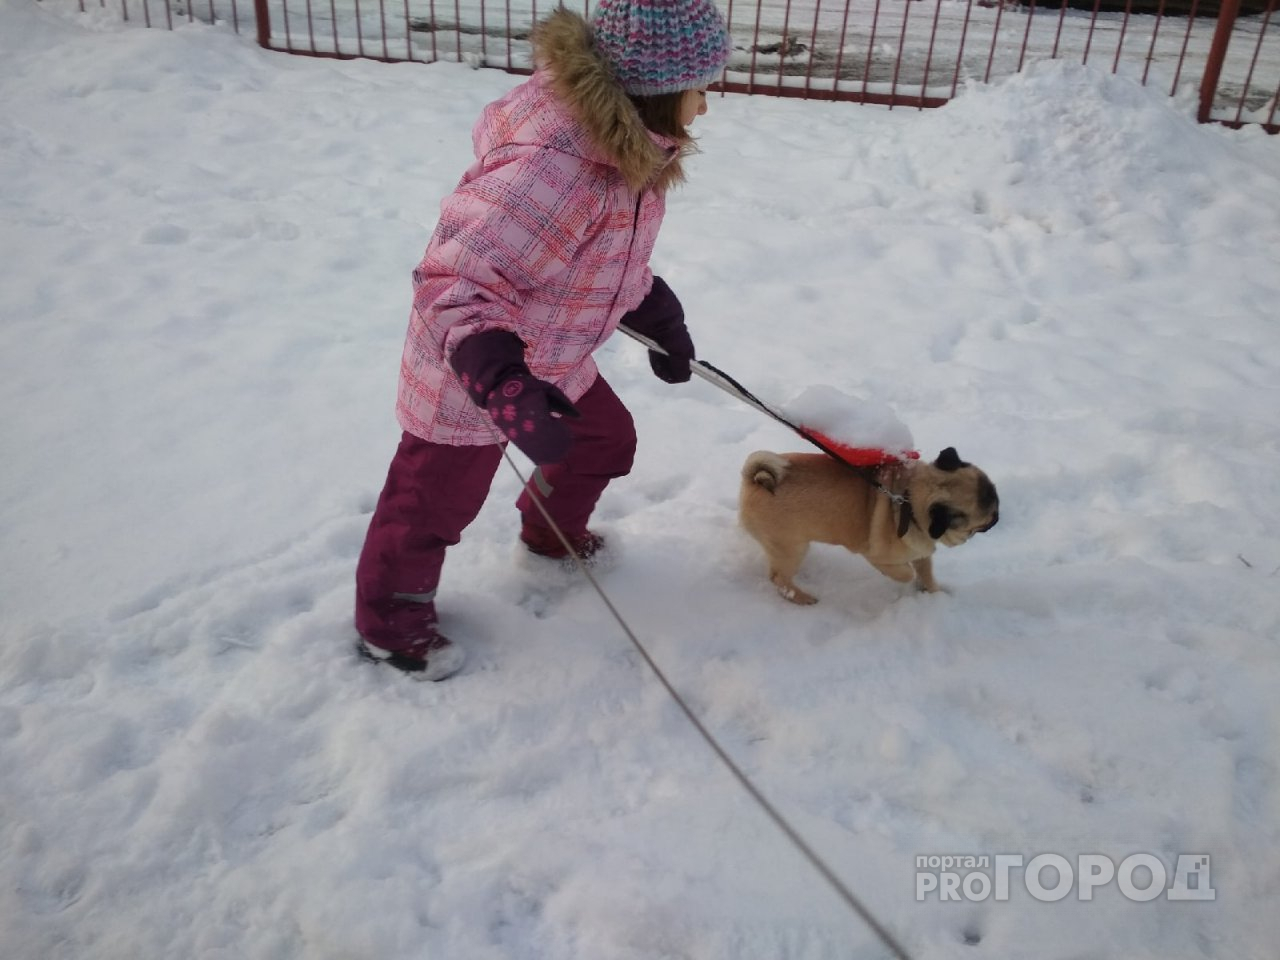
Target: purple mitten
(527,411)
(661,318)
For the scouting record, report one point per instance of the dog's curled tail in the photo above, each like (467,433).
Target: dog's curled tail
(765,469)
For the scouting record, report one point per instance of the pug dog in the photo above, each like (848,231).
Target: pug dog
(791,500)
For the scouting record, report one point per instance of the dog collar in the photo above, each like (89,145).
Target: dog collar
(905,516)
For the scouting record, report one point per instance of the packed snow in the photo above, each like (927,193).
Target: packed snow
(847,419)
(204,290)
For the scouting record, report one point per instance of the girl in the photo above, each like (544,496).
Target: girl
(540,252)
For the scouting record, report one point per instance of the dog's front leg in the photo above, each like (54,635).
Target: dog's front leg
(924,575)
(790,591)
(902,572)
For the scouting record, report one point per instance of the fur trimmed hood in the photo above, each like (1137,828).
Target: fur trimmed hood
(583,83)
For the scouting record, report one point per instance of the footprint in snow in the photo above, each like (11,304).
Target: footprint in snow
(168,234)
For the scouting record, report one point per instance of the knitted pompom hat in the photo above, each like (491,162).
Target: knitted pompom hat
(661,46)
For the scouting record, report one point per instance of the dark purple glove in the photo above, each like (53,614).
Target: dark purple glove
(661,318)
(527,411)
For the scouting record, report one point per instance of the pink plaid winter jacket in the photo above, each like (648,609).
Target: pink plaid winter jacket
(548,235)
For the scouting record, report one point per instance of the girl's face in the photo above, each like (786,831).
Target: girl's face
(692,106)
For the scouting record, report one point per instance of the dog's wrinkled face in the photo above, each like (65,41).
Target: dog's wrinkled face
(958,498)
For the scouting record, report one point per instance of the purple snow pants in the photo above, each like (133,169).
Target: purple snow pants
(434,491)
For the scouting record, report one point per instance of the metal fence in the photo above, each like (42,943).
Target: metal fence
(914,53)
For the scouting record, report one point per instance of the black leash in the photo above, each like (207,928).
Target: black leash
(782,823)
(718,378)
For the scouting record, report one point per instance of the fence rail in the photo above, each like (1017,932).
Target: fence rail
(913,53)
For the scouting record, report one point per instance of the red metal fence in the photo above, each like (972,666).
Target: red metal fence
(915,53)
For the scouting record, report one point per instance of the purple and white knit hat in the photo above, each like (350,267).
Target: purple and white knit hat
(661,46)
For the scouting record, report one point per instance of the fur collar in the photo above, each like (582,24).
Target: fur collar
(582,81)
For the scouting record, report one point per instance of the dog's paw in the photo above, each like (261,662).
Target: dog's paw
(796,595)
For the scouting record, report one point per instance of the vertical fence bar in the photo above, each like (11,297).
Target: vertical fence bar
(1182,57)
(311,30)
(728,24)
(1227,13)
(382,25)
(509,32)
(263,17)
(1151,50)
(902,45)
(755,47)
(168,17)
(359,30)
(484,31)
(964,35)
(1093,23)
(928,60)
(288,34)
(783,45)
(235,17)
(408,32)
(146,13)
(435,29)
(871,47)
(844,30)
(1269,123)
(813,48)
(1257,51)
(995,41)
(1026,35)
(1057,37)
(457,27)
(1124,27)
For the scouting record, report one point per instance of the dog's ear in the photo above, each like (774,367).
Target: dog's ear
(949,460)
(939,520)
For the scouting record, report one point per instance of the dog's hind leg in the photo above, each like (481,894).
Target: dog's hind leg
(784,561)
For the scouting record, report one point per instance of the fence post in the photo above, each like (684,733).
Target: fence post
(263,16)
(1228,10)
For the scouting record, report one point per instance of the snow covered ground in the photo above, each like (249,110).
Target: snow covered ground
(203,293)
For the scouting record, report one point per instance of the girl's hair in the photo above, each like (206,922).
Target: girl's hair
(660,112)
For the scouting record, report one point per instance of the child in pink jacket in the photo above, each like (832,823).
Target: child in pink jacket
(540,252)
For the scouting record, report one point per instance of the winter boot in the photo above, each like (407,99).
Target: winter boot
(543,542)
(430,657)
